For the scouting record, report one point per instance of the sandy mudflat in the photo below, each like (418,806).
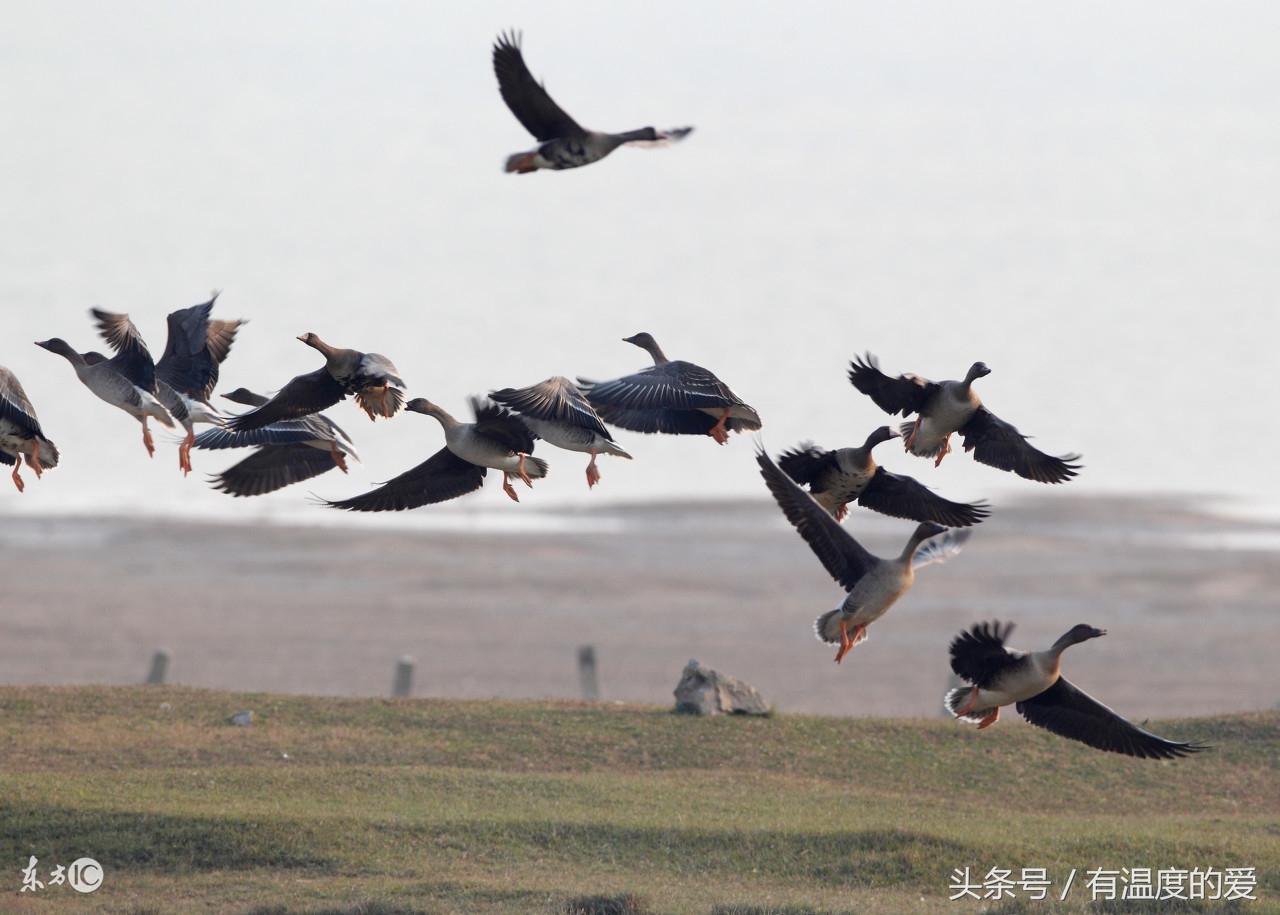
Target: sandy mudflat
(1189,598)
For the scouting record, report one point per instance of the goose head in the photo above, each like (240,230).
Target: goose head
(883,434)
(976,371)
(645,341)
(61,347)
(1082,632)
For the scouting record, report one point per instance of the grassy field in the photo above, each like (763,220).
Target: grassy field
(431,806)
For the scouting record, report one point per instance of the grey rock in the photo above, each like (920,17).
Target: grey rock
(243,719)
(703,691)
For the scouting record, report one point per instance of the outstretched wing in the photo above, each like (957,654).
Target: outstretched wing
(1071,713)
(306,394)
(997,443)
(675,385)
(271,468)
(940,548)
(807,463)
(905,394)
(502,426)
(978,655)
(526,97)
(133,359)
(842,556)
(439,478)
(904,497)
(555,400)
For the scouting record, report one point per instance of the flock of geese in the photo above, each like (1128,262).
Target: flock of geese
(293,440)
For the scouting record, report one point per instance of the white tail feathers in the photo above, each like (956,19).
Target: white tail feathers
(958,698)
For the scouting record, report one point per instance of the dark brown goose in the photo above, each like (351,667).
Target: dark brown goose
(370,377)
(671,396)
(944,407)
(1032,682)
(836,478)
(562,142)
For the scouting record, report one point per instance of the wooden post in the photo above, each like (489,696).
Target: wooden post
(159,666)
(587,673)
(402,682)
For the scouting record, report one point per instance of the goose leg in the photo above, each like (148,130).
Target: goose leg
(593,475)
(969,704)
(508,488)
(17,480)
(522,473)
(33,460)
(841,512)
(184,451)
(146,439)
(990,719)
(337,457)
(944,451)
(845,644)
(718,431)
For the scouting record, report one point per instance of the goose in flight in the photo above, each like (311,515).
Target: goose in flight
(836,478)
(187,371)
(944,407)
(556,412)
(562,142)
(370,377)
(498,440)
(873,584)
(20,432)
(127,381)
(671,396)
(286,452)
(1032,682)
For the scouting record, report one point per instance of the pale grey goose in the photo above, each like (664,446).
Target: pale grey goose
(562,142)
(670,396)
(20,432)
(498,440)
(557,412)
(1032,682)
(944,407)
(127,381)
(873,584)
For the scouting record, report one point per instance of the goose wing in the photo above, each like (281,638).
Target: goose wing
(306,394)
(133,359)
(14,405)
(997,443)
(287,432)
(186,364)
(842,556)
(500,425)
(904,497)
(271,468)
(905,394)
(673,385)
(526,97)
(439,478)
(807,464)
(1074,714)
(556,400)
(978,655)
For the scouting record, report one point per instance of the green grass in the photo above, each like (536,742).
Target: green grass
(429,806)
